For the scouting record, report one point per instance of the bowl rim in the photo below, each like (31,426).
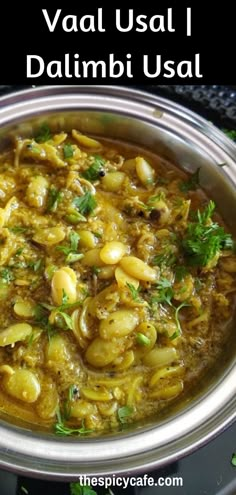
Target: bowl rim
(32,454)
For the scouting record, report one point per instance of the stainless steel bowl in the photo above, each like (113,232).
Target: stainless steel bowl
(190,141)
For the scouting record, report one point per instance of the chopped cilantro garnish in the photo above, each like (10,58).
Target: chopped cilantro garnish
(6,275)
(204,239)
(65,320)
(70,251)
(65,297)
(19,251)
(165,296)
(180,272)
(96,270)
(78,489)
(85,204)
(192,183)
(35,265)
(233,460)
(18,229)
(230,133)
(44,134)
(54,198)
(177,333)
(124,412)
(165,291)
(68,151)
(93,172)
(166,258)
(134,292)
(61,429)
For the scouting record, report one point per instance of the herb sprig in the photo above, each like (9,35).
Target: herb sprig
(204,238)
(44,134)
(93,172)
(71,251)
(54,198)
(165,296)
(192,183)
(124,413)
(85,204)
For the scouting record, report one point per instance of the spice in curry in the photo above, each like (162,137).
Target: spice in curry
(116,283)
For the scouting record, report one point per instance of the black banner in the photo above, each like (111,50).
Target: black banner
(175,42)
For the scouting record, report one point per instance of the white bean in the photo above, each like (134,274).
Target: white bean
(144,171)
(113,181)
(37,190)
(160,357)
(112,252)
(49,236)
(23,385)
(118,324)
(138,269)
(15,333)
(101,352)
(64,284)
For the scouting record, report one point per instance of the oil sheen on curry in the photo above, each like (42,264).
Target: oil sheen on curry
(117,280)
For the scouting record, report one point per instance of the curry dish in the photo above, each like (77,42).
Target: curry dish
(117,282)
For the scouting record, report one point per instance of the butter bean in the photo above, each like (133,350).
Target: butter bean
(118,324)
(123,278)
(24,309)
(23,385)
(64,283)
(14,333)
(86,141)
(160,357)
(49,237)
(113,181)
(112,252)
(37,190)
(87,239)
(101,352)
(138,269)
(144,171)
(97,395)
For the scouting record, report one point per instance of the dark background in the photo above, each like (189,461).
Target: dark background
(23,31)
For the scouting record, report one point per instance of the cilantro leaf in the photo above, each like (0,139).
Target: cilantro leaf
(61,429)
(203,240)
(85,204)
(70,251)
(74,240)
(78,489)
(233,459)
(124,412)
(54,198)
(178,332)
(192,183)
(44,134)
(165,290)
(134,292)
(230,133)
(67,320)
(18,229)
(6,275)
(166,258)
(93,172)
(180,272)
(68,151)
(35,265)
